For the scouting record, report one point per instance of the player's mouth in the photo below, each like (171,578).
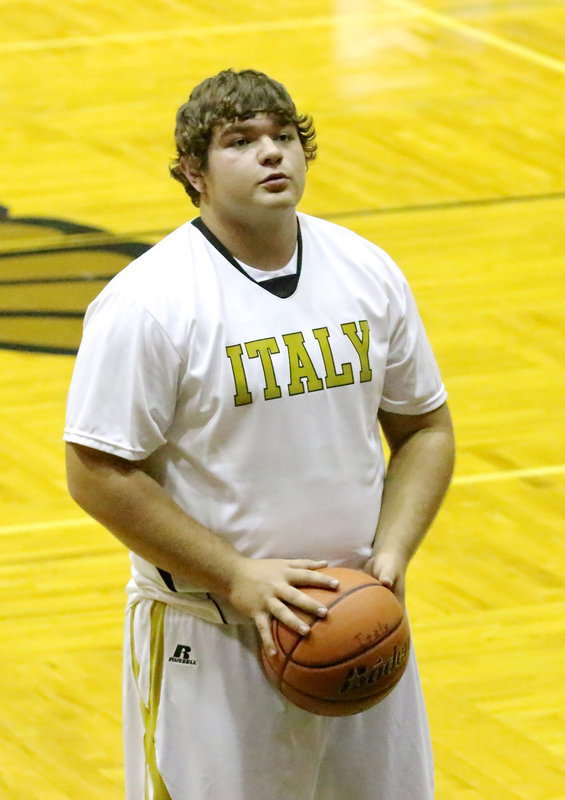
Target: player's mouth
(278,180)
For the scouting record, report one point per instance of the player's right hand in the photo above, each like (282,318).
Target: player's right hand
(261,588)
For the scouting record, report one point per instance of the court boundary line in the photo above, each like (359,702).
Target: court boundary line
(405,7)
(446,205)
(492,39)
(460,480)
(131,37)
(509,474)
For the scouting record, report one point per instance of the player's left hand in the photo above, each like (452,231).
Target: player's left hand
(390,570)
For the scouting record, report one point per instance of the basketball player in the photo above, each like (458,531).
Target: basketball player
(222,423)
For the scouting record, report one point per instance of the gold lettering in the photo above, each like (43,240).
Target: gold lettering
(264,348)
(333,378)
(301,366)
(242,396)
(361,345)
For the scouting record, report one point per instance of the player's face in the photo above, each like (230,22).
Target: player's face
(253,166)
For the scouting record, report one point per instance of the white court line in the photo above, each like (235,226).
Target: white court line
(55,524)
(444,21)
(335,20)
(509,475)
(462,480)
(201,33)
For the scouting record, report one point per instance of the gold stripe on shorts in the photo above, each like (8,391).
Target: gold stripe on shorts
(149,712)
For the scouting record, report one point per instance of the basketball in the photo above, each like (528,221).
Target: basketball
(352,658)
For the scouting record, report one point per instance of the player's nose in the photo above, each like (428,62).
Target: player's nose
(269,151)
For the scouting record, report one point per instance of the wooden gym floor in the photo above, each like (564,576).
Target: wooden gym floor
(439,128)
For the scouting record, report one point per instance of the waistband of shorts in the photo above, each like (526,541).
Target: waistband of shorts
(204,605)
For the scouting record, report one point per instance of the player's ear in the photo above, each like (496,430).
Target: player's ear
(192,172)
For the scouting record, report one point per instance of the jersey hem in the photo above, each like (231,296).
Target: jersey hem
(106,447)
(409,409)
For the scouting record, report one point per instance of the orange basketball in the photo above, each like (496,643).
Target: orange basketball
(352,658)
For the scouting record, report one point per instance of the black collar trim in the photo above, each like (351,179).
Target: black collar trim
(283,286)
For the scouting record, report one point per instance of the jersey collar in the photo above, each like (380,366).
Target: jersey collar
(283,287)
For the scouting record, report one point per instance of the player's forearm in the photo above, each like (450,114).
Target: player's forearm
(133,506)
(128,502)
(417,479)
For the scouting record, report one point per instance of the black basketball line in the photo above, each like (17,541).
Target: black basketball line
(343,660)
(317,619)
(339,701)
(288,656)
(377,696)
(352,591)
(342,597)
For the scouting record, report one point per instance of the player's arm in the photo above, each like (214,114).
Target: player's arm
(137,510)
(419,471)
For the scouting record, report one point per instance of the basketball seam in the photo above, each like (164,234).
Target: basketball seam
(342,597)
(338,701)
(315,621)
(287,656)
(352,591)
(354,655)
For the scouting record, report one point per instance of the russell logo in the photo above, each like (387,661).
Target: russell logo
(182,656)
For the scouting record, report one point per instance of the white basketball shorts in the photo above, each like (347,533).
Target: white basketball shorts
(201,722)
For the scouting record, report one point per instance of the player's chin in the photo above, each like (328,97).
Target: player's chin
(280,203)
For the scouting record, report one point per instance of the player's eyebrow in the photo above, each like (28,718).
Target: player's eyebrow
(240,125)
(235,127)
(245,126)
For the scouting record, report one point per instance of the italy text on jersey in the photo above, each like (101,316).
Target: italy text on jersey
(303,375)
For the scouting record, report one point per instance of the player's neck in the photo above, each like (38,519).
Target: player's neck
(266,244)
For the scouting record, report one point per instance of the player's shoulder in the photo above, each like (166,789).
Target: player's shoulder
(164,259)
(347,243)
(153,285)
(156,272)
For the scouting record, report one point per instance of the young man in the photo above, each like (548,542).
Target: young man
(222,423)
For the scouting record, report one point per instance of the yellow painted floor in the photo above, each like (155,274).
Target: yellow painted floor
(440,127)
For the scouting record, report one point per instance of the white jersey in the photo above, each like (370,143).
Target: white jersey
(258,413)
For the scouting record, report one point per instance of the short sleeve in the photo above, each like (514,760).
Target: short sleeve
(123,391)
(412,382)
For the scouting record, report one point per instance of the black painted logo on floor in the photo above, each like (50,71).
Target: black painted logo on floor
(50,270)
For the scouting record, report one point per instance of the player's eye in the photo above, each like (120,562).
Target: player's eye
(285,137)
(241,141)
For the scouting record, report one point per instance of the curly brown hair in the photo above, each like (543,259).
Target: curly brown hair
(226,97)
